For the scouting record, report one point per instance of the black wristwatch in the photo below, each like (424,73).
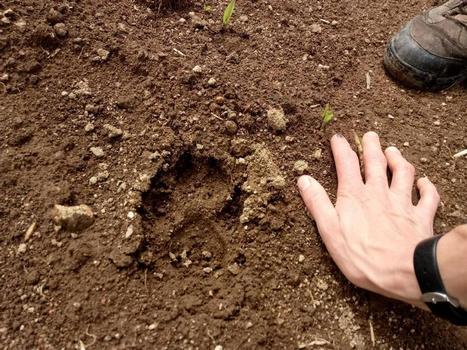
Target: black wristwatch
(431,284)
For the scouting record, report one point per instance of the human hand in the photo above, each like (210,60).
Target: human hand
(372,231)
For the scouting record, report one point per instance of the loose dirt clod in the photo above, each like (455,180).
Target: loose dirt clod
(103,54)
(113,132)
(231,127)
(300,167)
(75,218)
(276,119)
(316,28)
(97,151)
(22,248)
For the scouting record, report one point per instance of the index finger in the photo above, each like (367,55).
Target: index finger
(347,163)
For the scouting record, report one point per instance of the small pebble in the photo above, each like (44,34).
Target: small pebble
(97,151)
(129,231)
(89,127)
(212,82)
(113,132)
(234,269)
(301,258)
(276,119)
(197,69)
(73,218)
(60,29)
(316,28)
(103,54)
(317,154)
(22,248)
(206,254)
(231,127)
(300,167)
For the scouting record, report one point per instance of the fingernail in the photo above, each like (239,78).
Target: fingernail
(304,182)
(339,135)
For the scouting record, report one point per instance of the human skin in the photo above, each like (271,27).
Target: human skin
(372,230)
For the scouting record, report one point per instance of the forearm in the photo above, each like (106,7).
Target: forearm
(452,262)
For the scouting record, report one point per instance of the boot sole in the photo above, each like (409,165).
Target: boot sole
(413,77)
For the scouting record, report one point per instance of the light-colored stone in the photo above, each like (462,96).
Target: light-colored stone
(74,218)
(316,28)
(22,248)
(234,269)
(276,119)
(212,82)
(129,231)
(89,127)
(103,54)
(97,151)
(300,167)
(317,154)
(113,132)
(60,29)
(197,69)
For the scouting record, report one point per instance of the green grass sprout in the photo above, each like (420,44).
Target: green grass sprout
(327,116)
(228,12)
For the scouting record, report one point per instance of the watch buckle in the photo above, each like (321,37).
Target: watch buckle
(437,297)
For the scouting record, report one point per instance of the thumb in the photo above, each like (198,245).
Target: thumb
(320,206)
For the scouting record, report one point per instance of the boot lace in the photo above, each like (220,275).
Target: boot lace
(460,9)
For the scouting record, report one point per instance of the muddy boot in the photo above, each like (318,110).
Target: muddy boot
(430,52)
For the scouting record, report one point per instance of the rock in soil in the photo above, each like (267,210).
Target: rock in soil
(97,151)
(113,132)
(277,120)
(300,167)
(231,127)
(75,218)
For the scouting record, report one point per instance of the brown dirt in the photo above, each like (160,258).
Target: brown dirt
(199,227)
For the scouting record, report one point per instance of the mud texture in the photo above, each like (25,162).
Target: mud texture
(179,141)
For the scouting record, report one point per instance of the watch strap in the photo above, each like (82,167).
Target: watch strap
(431,284)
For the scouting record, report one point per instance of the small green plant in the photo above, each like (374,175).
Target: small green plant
(228,12)
(327,116)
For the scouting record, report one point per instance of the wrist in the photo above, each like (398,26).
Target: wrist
(452,262)
(402,283)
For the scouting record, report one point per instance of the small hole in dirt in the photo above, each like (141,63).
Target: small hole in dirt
(235,206)
(240,259)
(187,210)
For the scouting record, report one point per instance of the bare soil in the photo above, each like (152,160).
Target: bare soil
(200,239)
